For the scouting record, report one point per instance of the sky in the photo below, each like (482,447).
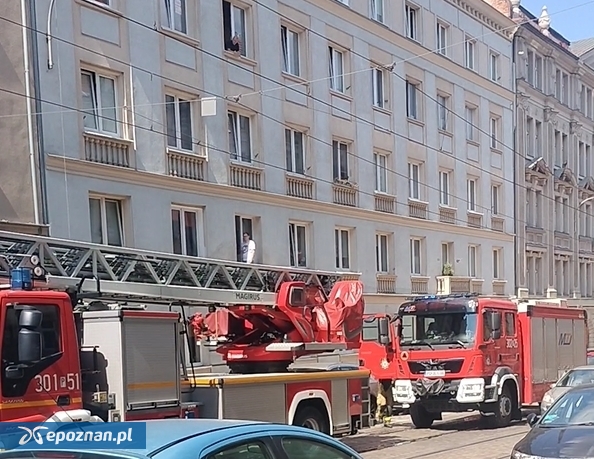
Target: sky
(571,18)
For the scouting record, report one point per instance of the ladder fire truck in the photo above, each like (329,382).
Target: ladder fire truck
(93,332)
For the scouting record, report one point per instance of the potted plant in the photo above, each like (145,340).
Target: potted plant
(447,270)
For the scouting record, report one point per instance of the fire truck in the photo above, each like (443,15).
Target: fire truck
(93,332)
(457,353)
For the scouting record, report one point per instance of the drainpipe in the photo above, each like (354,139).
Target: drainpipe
(38,115)
(514,162)
(33,167)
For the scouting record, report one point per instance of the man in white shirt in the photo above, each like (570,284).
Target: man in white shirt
(248,249)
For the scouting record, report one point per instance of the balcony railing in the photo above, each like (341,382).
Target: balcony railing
(447,285)
(417,209)
(385,203)
(386,283)
(344,195)
(447,215)
(185,165)
(475,220)
(243,176)
(299,187)
(498,224)
(419,285)
(107,150)
(499,287)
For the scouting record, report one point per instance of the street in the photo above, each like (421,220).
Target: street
(456,437)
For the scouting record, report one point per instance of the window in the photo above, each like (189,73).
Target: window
(444,188)
(370,330)
(377,10)
(251,450)
(469,53)
(415,256)
(298,244)
(411,22)
(240,137)
(336,69)
(176,15)
(470,123)
(414,181)
(342,246)
(495,199)
(290,47)
(446,253)
(442,113)
(179,123)
(442,39)
(510,324)
(243,225)
(107,225)
(381,253)
(538,74)
(412,106)
(472,260)
(340,160)
(186,228)
(381,176)
(494,67)
(99,102)
(496,263)
(494,132)
(471,194)
(295,151)
(378,87)
(234,28)
(302,448)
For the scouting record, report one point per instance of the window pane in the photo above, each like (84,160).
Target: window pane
(89,102)
(298,448)
(191,231)
(335,161)
(113,216)
(108,105)
(96,221)
(344,162)
(345,249)
(288,150)
(233,140)
(171,121)
(295,53)
(239,28)
(299,153)
(246,143)
(337,247)
(284,47)
(180,15)
(301,246)
(185,124)
(176,231)
(292,254)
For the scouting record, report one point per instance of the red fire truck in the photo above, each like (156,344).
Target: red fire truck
(460,353)
(100,333)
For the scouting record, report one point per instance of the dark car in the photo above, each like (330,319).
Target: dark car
(565,430)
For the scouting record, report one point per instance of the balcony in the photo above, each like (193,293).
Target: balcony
(447,215)
(476,285)
(417,209)
(299,186)
(419,285)
(585,244)
(562,241)
(344,194)
(447,285)
(385,203)
(107,150)
(244,176)
(474,219)
(497,224)
(185,165)
(386,283)
(499,287)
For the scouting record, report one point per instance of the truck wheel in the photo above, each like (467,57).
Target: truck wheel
(504,409)
(311,418)
(420,417)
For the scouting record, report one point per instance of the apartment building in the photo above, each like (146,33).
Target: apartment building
(363,135)
(555,188)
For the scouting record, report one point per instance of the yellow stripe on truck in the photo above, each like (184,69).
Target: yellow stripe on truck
(35,404)
(278,377)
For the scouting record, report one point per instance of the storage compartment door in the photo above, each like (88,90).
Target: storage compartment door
(151,362)
(262,402)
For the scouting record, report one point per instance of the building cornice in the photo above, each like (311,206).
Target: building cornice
(117,174)
(484,13)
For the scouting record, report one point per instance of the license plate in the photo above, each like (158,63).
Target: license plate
(434,373)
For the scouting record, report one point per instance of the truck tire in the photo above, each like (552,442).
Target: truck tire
(420,417)
(311,418)
(504,409)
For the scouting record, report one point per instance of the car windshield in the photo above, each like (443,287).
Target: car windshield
(573,408)
(577,378)
(439,328)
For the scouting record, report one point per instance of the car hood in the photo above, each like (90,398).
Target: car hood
(557,392)
(559,442)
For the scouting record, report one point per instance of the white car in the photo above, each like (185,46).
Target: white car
(576,377)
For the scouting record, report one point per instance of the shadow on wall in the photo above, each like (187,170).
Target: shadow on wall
(7,211)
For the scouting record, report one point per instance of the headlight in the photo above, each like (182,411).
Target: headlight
(547,399)
(519,455)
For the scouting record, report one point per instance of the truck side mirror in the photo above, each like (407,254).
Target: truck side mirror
(383,327)
(30,341)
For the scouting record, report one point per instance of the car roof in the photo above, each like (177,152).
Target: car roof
(583,367)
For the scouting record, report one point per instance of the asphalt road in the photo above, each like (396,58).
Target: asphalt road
(456,437)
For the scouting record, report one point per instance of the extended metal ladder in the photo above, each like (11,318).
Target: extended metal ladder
(141,276)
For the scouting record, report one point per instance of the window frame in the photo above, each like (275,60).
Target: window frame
(375,13)
(243,47)
(381,171)
(337,80)
(442,113)
(470,112)
(177,121)
(104,225)
(292,153)
(378,86)
(497,266)
(339,248)
(494,66)
(494,129)
(171,22)
(472,261)
(382,253)
(446,249)
(418,242)
(411,23)
(411,181)
(441,33)
(443,174)
(495,199)
(239,157)
(470,53)
(287,60)
(471,194)
(95,95)
(199,214)
(412,100)
(294,259)
(337,156)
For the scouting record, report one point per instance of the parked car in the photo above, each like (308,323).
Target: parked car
(590,358)
(565,430)
(211,439)
(576,377)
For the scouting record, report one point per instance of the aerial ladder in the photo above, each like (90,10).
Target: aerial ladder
(292,312)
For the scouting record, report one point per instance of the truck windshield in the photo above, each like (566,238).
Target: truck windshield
(439,328)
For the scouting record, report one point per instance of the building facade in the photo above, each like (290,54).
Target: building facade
(364,135)
(555,185)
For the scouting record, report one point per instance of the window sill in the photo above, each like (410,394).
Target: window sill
(446,133)
(417,201)
(295,78)
(189,153)
(496,150)
(110,137)
(176,35)
(473,143)
(101,7)
(297,175)
(239,58)
(246,165)
(342,95)
(499,281)
(416,121)
(382,110)
(419,277)
(383,194)
(474,213)
(448,207)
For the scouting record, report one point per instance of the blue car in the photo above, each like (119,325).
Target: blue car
(211,439)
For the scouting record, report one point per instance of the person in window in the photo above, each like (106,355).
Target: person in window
(248,249)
